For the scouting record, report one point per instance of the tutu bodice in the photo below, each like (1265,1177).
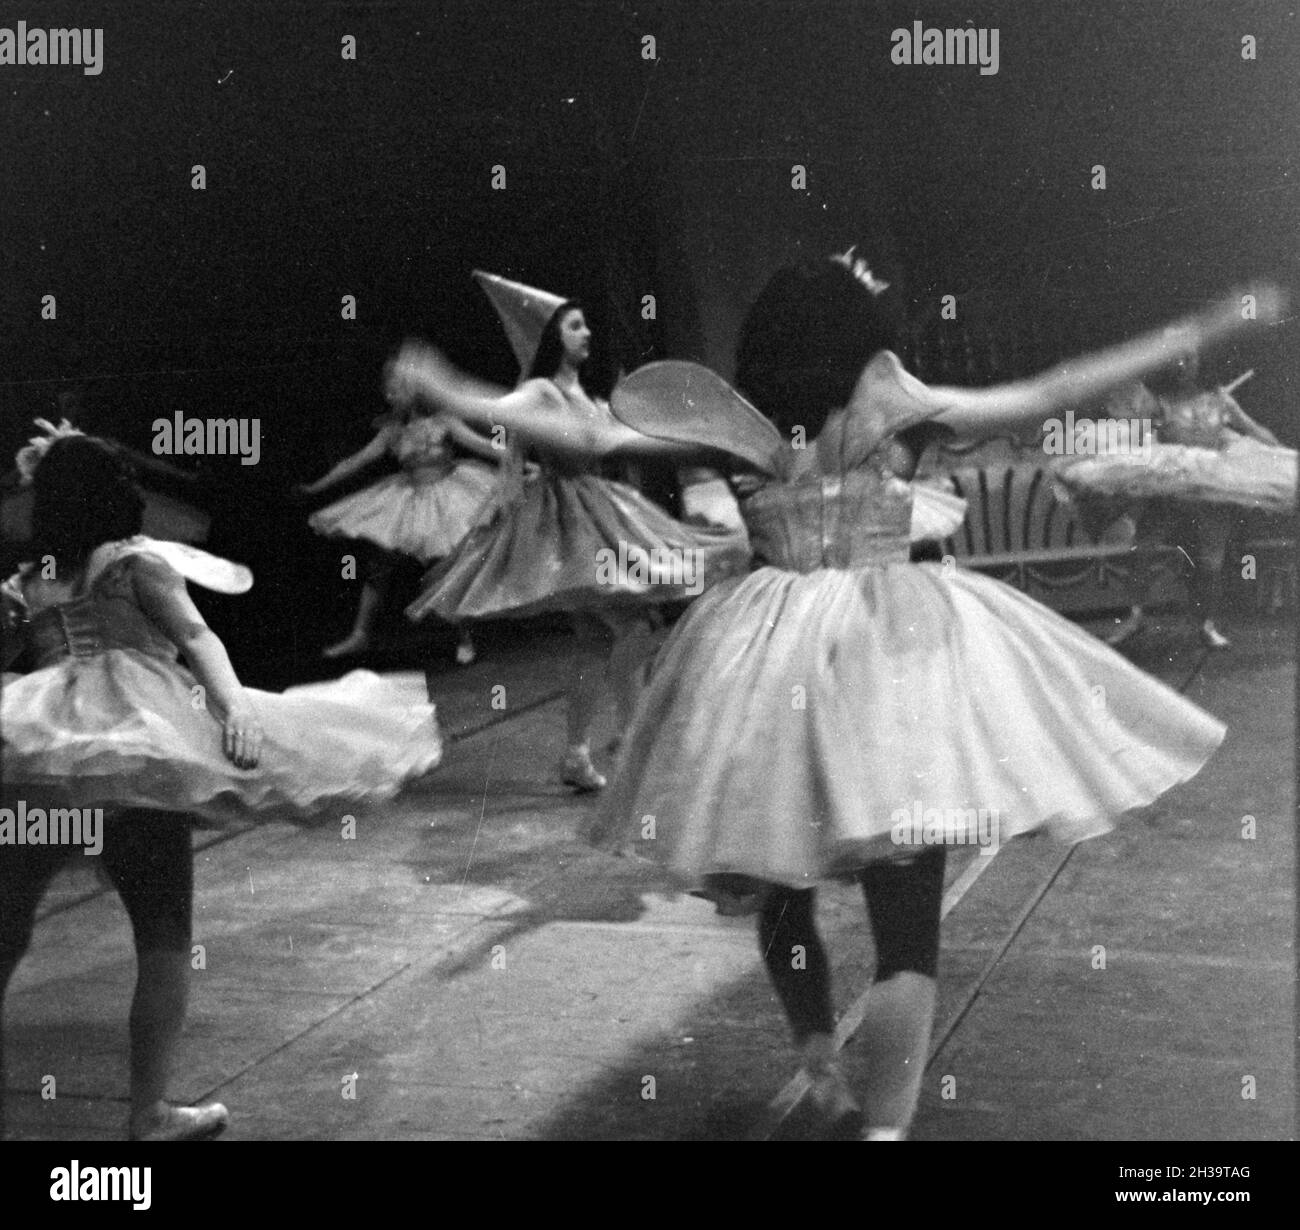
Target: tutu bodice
(569,539)
(421,448)
(108,716)
(837,504)
(98,615)
(853,520)
(424,510)
(802,719)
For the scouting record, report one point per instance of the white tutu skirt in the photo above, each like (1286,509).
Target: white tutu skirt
(123,729)
(418,513)
(799,726)
(1246,473)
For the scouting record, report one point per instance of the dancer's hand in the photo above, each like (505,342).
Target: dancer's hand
(1269,305)
(243,737)
(416,367)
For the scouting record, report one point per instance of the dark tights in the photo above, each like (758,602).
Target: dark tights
(903,901)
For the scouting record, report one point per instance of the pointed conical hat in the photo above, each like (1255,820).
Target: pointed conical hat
(524,313)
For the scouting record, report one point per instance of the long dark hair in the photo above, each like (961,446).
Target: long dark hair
(806,339)
(85,495)
(550,349)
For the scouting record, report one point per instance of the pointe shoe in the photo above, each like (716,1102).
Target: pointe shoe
(184,1123)
(465,653)
(576,770)
(1212,638)
(831,1098)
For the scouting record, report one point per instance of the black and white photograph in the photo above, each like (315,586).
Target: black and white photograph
(604,571)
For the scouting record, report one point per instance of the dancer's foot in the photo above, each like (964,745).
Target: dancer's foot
(465,652)
(164,1122)
(879,1133)
(1212,638)
(348,647)
(577,770)
(1126,629)
(828,1091)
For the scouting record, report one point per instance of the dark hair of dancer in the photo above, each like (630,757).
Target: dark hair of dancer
(805,341)
(85,495)
(550,349)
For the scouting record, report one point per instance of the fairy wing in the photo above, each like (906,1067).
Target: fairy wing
(676,400)
(222,576)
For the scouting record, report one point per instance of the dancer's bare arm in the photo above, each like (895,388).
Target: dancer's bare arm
(162,595)
(536,411)
(348,466)
(1076,382)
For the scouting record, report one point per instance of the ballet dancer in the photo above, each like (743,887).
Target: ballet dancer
(544,549)
(107,718)
(1208,457)
(421,512)
(799,719)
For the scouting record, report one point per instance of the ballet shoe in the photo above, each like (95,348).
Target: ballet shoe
(465,653)
(829,1093)
(1212,638)
(184,1123)
(576,770)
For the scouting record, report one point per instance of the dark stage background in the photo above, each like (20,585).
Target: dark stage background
(625,177)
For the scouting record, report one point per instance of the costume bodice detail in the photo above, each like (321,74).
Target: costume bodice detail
(583,409)
(858,519)
(421,445)
(105,615)
(838,504)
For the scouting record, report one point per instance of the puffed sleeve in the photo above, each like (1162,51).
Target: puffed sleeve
(887,399)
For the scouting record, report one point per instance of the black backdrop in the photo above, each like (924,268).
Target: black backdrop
(625,177)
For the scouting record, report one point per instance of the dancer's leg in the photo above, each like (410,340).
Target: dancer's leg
(797,965)
(25,872)
(149,858)
(632,646)
(1211,526)
(796,961)
(378,573)
(904,903)
(592,643)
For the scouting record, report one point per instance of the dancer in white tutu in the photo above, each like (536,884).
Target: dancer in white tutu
(107,721)
(421,512)
(800,719)
(1209,457)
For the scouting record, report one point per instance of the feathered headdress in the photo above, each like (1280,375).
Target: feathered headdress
(33,453)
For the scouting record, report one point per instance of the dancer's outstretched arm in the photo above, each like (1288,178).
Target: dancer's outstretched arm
(535,410)
(470,439)
(348,466)
(980,412)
